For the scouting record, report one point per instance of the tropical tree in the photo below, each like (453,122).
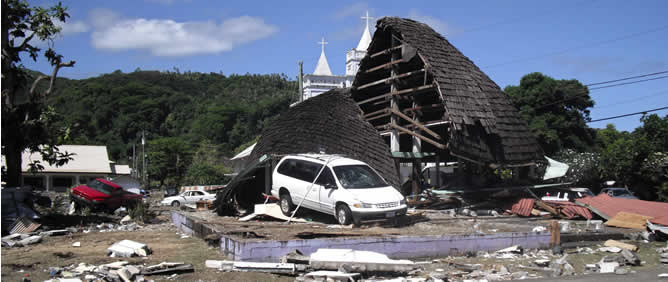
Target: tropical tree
(27,123)
(168,159)
(555,110)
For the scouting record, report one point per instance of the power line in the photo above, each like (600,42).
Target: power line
(577,47)
(634,100)
(626,115)
(586,92)
(626,78)
(627,83)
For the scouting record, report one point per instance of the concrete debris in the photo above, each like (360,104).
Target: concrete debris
(76,244)
(121,211)
(663,275)
(334,276)
(167,268)
(622,271)
(295,257)
(539,229)
(128,248)
(360,261)
(608,267)
(614,243)
(631,258)
(30,240)
(542,262)
(126,219)
(514,249)
(72,209)
(58,232)
(610,249)
(286,268)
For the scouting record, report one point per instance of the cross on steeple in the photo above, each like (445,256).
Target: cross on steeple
(322,42)
(367,18)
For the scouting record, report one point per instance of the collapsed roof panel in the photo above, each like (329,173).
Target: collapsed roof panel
(330,123)
(443,90)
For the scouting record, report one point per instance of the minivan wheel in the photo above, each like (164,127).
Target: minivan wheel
(176,204)
(343,214)
(286,204)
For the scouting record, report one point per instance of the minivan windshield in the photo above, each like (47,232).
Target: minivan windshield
(99,186)
(358,176)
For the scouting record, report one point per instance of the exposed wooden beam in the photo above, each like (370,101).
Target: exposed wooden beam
(424,108)
(376,112)
(417,124)
(377,117)
(423,138)
(389,79)
(386,51)
(384,66)
(383,128)
(412,91)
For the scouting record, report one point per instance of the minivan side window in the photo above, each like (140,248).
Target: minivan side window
(302,170)
(326,177)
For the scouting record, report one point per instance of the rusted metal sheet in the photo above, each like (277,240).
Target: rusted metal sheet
(570,210)
(23,225)
(523,207)
(607,207)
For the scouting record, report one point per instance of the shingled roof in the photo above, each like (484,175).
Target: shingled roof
(483,124)
(330,122)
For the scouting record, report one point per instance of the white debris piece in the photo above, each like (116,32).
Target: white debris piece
(610,249)
(514,249)
(115,265)
(126,219)
(243,266)
(608,267)
(360,261)
(76,244)
(128,248)
(30,240)
(334,276)
(539,229)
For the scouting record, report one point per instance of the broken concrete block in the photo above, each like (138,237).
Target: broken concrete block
(167,267)
(361,261)
(591,267)
(76,244)
(608,267)
(622,271)
(514,249)
(126,219)
(58,232)
(30,240)
(568,270)
(334,276)
(128,248)
(115,265)
(520,275)
(614,243)
(124,274)
(542,262)
(630,257)
(220,264)
(610,249)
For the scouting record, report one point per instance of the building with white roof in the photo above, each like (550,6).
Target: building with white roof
(322,79)
(88,162)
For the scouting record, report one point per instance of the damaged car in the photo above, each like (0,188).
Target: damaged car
(188,197)
(348,189)
(103,195)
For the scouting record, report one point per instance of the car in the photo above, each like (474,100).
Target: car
(566,194)
(103,195)
(618,192)
(187,197)
(346,188)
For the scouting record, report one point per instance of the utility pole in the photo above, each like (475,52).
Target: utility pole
(134,160)
(301,81)
(143,167)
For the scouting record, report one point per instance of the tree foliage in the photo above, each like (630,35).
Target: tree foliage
(556,111)
(27,122)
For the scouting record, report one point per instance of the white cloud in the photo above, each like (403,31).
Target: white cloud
(103,18)
(438,25)
(163,37)
(71,27)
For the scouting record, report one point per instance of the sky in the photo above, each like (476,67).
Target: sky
(591,41)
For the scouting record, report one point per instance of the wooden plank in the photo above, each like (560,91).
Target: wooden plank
(386,51)
(411,91)
(391,78)
(377,117)
(424,108)
(419,125)
(383,66)
(613,243)
(410,126)
(376,112)
(438,145)
(628,220)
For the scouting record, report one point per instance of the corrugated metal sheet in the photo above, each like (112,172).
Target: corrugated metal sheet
(523,207)
(23,225)
(570,210)
(607,207)
(660,220)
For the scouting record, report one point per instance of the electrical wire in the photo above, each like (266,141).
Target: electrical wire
(627,83)
(626,115)
(626,78)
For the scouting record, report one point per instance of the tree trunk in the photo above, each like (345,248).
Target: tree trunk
(13,159)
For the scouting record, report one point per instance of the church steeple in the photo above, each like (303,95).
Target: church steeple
(366,35)
(322,68)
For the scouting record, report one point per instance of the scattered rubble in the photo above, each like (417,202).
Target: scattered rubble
(128,248)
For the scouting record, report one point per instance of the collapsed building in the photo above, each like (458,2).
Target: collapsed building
(415,98)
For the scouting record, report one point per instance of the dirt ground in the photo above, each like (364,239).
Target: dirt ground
(166,246)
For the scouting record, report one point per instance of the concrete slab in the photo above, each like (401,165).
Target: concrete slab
(396,246)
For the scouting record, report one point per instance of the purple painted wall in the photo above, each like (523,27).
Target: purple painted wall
(394,247)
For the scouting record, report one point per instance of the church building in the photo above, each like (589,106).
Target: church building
(322,79)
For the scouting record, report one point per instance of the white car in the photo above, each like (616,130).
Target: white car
(187,197)
(346,188)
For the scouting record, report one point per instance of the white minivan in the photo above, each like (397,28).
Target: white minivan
(346,188)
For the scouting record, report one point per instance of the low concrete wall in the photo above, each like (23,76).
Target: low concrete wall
(413,246)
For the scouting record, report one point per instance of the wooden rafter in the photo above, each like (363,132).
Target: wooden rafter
(389,79)
(386,51)
(384,66)
(411,91)
(423,138)
(417,124)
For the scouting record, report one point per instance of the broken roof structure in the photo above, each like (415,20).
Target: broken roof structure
(328,123)
(414,82)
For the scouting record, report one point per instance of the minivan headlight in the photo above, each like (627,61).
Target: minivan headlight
(363,205)
(402,202)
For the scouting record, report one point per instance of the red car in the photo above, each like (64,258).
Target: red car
(101,194)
